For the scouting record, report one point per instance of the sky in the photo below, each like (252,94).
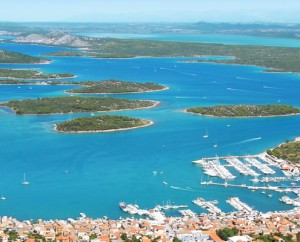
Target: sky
(284,11)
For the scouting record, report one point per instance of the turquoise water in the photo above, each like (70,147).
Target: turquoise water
(91,173)
(203,38)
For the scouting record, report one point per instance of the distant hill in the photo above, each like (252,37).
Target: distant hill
(54,38)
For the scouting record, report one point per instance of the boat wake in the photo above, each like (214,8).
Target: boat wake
(166,69)
(188,189)
(185,97)
(187,74)
(267,87)
(233,89)
(249,140)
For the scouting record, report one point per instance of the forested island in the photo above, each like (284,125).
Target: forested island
(289,151)
(245,110)
(31,74)
(277,59)
(74,105)
(116,86)
(18,58)
(103,123)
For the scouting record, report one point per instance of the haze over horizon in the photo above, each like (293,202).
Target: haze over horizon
(155,11)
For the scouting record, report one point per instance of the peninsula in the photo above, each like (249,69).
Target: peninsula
(18,58)
(103,123)
(116,86)
(289,151)
(31,74)
(237,111)
(74,105)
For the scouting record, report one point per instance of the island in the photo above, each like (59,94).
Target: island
(31,74)
(237,111)
(103,123)
(274,59)
(116,86)
(75,105)
(9,57)
(289,151)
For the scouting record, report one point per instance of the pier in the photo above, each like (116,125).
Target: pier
(241,167)
(213,168)
(271,188)
(262,167)
(239,205)
(208,205)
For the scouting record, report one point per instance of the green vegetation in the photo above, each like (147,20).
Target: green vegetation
(30,74)
(12,234)
(288,151)
(70,53)
(36,236)
(101,123)
(74,105)
(245,110)
(13,57)
(13,81)
(270,237)
(114,86)
(225,233)
(278,58)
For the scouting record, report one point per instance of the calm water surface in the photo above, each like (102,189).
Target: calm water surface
(92,173)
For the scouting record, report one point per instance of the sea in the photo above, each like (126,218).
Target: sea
(92,173)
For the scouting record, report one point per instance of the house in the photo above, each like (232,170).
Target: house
(4,237)
(244,238)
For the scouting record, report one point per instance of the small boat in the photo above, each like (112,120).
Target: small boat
(270,195)
(205,135)
(263,192)
(2,198)
(255,179)
(165,183)
(215,145)
(24,182)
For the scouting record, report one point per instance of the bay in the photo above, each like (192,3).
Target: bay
(92,173)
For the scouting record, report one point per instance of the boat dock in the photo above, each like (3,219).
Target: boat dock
(254,188)
(239,205)
(208,205)
(262,167)
(188,213)
(241,167)
(213,168)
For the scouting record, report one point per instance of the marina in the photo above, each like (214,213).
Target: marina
(290,201)
(262,167)
(188,213)
(241,167)
(209,205)
(213,168)
(239,205)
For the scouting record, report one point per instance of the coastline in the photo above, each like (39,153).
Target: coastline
(155,103)
(105,131)
(38,79)
(105,93)
(268,116)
